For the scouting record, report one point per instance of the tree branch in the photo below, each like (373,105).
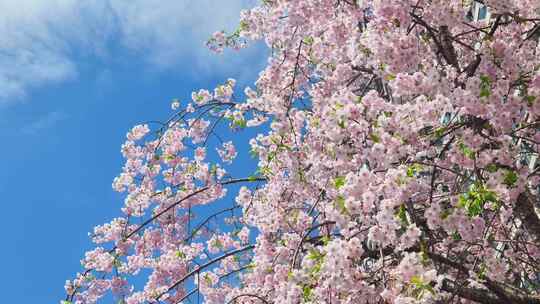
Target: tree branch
(527,214)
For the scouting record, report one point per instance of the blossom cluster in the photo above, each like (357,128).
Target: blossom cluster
(397,163)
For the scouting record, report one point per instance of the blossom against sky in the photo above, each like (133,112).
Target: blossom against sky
(74,78)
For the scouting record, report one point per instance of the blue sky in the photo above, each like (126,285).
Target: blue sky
(75,76)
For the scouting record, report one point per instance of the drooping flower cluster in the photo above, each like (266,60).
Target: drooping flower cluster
(397,164)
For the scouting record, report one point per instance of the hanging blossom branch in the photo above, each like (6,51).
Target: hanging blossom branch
(397,164)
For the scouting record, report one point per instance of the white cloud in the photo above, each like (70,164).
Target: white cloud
(176,28)
(39,39)
(30,53)
(44,122)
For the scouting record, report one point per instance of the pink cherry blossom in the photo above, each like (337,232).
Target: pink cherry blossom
(397,162)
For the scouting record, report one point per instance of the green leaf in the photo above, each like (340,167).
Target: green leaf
(316,268)
(243,25)
(390,77)
(423,252)
(482,271)
(308,40)
(339,182)
(402,215)
(474,200)
(439,132)
(318,257)
(306,292)
(314,255)
(416,280)
(530,100)
(492,168)
(467,151)
(340,202)
(510,178)
(169,157)
(420,287)
(325,239)
(241,123)
(485,86)
(271,156)
(462,201)
(264,171)
(429,288)
(445,213)
(475,207)
(484,92)
(410,171)
(413,169)
(375,138)
(489,196)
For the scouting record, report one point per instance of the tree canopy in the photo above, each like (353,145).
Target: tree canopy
(397,163)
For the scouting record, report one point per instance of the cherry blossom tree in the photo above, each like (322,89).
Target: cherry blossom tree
(397,162)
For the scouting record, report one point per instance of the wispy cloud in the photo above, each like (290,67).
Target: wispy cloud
(43,123)
(30,53)
(38,39)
